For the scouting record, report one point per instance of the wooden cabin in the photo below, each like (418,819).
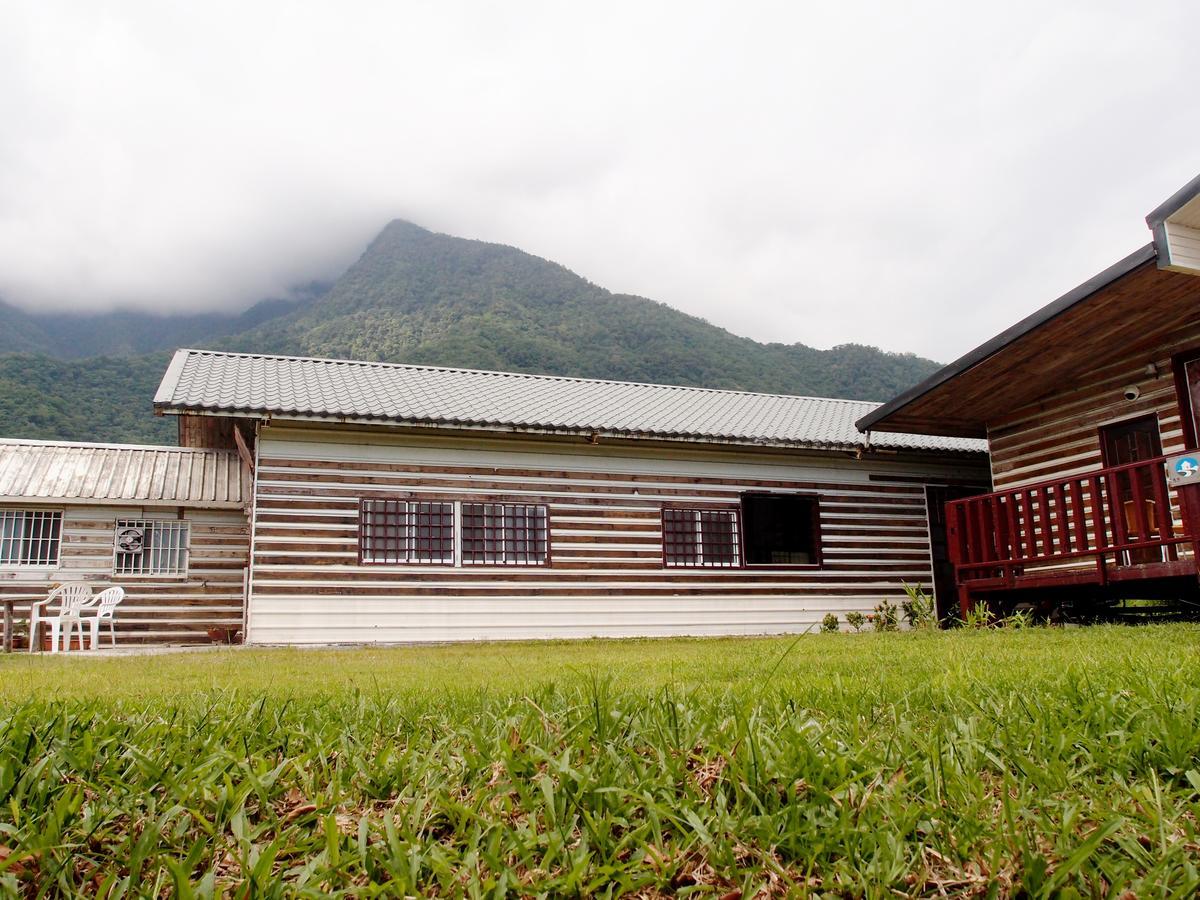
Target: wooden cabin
(168,524)
(1082,404)
(396,503)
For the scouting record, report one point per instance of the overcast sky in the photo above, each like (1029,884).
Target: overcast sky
(911,175)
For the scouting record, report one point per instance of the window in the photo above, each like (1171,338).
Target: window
(30,537)
(1187,386)
(150,547)
(781,530)
(401,531)
(700,537)
(504,534)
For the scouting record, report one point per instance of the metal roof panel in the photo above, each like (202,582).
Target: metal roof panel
(390,393)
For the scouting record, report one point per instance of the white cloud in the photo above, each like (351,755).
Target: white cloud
(915,176)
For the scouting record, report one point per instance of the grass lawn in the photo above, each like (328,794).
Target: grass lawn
(1047,762)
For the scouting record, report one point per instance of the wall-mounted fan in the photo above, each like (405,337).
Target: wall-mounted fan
(131,540)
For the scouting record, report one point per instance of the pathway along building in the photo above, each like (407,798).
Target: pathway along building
(1081,403)
(398,503)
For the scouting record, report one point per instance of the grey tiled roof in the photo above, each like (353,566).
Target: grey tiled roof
(326,389)
(66,472)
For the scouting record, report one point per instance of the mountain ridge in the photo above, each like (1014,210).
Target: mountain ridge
(417,297)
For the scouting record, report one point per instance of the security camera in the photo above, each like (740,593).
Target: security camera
(1132,392)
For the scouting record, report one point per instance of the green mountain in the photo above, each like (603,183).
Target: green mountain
(419,297)
(129,332)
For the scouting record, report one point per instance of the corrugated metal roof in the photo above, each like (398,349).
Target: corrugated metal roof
(326,389)
(65,472)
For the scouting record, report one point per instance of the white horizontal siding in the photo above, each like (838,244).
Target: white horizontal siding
(1184,243)
(605,577)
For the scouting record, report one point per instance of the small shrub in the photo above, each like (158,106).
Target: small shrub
(918,607)
(829,624)
(856,620)
(885,617)
(1022,618)
(979,616)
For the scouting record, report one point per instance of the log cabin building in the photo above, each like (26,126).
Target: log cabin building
(1082,403)
(168,524)
(396,503)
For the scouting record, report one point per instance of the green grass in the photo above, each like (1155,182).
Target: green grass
(1038,762)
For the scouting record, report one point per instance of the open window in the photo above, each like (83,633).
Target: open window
(781,530)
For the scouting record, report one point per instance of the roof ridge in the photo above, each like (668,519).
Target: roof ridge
(500,374)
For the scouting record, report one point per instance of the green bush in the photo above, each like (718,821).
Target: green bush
(886,616)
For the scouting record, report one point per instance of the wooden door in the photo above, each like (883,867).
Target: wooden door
(1132,441)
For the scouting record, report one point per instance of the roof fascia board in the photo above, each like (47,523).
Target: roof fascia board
(127,502)
(1052,310)
(1173,204)
(170,379)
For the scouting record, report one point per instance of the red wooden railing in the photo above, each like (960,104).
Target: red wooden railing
(1120,512)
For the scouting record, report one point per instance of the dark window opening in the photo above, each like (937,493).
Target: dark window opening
(781,530)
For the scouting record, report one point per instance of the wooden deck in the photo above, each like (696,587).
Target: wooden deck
(1108,526)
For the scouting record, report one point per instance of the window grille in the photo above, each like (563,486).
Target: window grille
(401,531)
(700,537)
(150,547)
(30,537)
(504,534)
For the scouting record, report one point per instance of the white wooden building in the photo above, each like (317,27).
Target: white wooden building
(399,503)
(66,510)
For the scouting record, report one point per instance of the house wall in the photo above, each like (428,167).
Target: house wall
(1059,435)
(606,577)
(155,609)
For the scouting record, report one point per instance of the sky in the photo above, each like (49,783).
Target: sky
(916,176)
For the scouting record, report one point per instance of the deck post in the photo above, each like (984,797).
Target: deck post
(1189,506)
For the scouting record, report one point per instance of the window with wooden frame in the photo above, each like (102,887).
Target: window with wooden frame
(151,547)
(504,534)
(781,529)
(1187,388)
(405,531)
(700,537)
(30,537)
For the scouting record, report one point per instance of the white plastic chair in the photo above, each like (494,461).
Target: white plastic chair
(106,604)
(72,598)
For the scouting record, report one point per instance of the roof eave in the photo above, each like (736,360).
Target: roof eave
(1173,204)
(876,420)
(505,428)
(132,502)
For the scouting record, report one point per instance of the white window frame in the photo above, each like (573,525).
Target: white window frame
(457,562)
(9,514)
(698,522)
(151,527)
(500,542)
(409,521)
